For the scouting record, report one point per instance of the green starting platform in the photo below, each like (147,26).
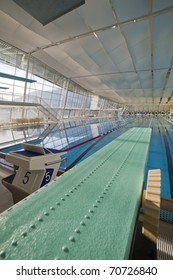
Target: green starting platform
(88,213)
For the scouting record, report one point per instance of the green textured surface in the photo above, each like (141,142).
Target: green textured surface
(87,213)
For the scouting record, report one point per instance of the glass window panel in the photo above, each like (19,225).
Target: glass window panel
(34,77)
(18,90)
(7,69)
(18,134)
(4,114)
(47,88)
(46,95)
(49,74)
(47,85)
(16,113)
(20,73)
(6,135)
(6,81)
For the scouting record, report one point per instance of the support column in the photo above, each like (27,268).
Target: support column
(66,96)
(25,87)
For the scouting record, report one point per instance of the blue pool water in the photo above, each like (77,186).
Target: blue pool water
(71,135)
(157,160)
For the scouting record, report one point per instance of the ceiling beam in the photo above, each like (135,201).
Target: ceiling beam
(118,72)
(166,81)
(150,18)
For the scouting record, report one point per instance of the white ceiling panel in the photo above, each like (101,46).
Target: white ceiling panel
(143,63)
(119,82)
(96,13)
(92,83)
(135,100)
(72,65)
(83,83)
(132,80)
(73,25)
(159,78)
(167,93)
(56,54)
(160,4)
(157,93)
(136,32)
(84,60)
(126,65)
(117,62)
(124,81)
(50,61)
(130,9)
(149,100)
(125,93)
(90,44)
(73,49)
(148,92)
(138,43)
(138,92)
(63,68)
(110,67)
(80,69)
(111,94)
(30,38)
(111,39)
(170,80)
(145,79)
(141,53)
(163,40)
(16,12)
(50,31)
(7,25)
(120,53)
(19,35)
(100,57)
(95,69)
(130,93)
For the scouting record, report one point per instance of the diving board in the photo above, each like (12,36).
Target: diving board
(88,213)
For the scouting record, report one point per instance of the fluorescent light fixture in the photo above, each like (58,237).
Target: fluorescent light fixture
(95,35)
(114,26)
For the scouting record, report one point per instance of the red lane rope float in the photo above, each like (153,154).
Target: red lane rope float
(79,144)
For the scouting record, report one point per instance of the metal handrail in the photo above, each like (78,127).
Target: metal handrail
(3,162)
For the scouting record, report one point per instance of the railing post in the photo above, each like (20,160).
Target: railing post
(66,96)
(25,88)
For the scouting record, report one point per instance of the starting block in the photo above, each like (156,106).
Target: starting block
(35,167)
